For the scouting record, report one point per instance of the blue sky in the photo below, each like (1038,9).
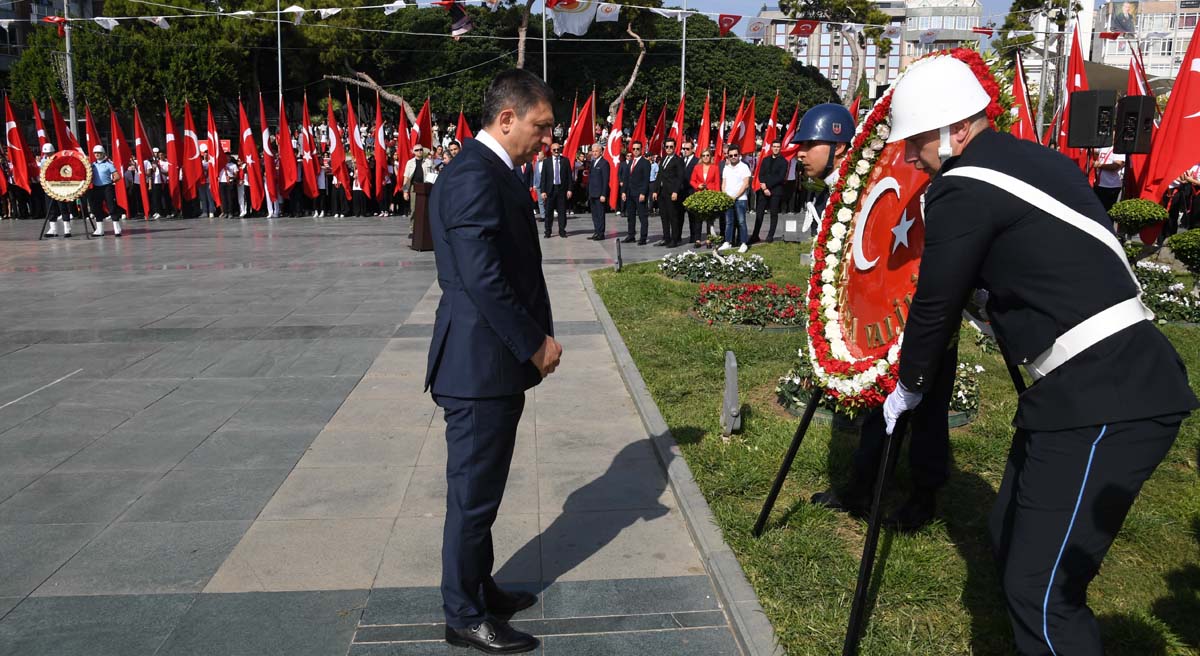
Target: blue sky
(993,10)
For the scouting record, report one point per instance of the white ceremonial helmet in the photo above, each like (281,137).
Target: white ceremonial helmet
(204,148)
(47,148)
(932,94)
(154,151)
(97,148)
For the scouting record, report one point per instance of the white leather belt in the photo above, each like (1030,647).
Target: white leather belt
(1097,327)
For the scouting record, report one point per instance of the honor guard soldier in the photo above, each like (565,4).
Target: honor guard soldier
(58,211)
(824,137)
(1109,390)
(102,196)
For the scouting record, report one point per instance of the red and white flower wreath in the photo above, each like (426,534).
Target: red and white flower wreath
(860,383)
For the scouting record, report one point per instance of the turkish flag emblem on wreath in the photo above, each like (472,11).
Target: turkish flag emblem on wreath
(868,254)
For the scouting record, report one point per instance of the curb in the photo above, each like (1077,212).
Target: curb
(751,628)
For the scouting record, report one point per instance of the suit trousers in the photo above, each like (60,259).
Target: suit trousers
(929,449)
(672,220)
(637,211)
(598,210)
(103,201)
(1063,499)
(480,435)
(765,203)
(556,202)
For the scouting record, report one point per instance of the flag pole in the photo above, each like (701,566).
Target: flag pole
(279,46)
(683,51)
(70,69)
(545,15)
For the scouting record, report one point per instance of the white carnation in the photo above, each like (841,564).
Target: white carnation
(838,231)
(828,290)
(835,245)
(877,144)
(831,260)
(863,167)
(849,196)
(853,181)
(883,131)
(827,275)
(845,214)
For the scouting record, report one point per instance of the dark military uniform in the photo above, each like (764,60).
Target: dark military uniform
(1109,392)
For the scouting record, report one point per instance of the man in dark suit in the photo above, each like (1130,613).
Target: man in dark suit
(772,174)
(556,188)
(622,181)
(637,195)
(598,191)
(690,160)
(492,340)
(668,191)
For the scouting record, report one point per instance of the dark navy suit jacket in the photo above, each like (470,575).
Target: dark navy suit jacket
(639,179)
(598,179)
(495,309)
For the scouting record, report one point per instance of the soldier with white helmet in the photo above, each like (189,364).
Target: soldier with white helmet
(1109,391)
(102,195)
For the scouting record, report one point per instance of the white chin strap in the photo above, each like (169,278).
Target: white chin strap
(944,151)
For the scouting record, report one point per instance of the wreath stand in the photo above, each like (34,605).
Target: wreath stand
(87,218)
(66,190)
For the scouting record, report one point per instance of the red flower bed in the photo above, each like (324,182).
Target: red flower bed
(751,304)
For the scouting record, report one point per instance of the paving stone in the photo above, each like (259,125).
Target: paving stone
(133,451)
(337,449)
(259,358)
(281,415)
(206,495)
(31,553)
(64,420)
(617,544)
(341,492)
(439,648)
(179,417)
(8,603)
(326,554)
(76,498)
(91,626)
(38,454)
(267,624)
(426,494)
(147,558)
(687,642)
(671,594)
(12,481)
(179,360)
(249,449)
(413,556)
(218,389)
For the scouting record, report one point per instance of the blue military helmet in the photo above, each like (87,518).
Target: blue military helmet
(826,122)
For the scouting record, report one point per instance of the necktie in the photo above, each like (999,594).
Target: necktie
(556,179)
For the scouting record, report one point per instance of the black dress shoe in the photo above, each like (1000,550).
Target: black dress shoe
(641,242)
(853,503)
(492,637)
(502,602)
(547,236)
(628,240)
(563,235)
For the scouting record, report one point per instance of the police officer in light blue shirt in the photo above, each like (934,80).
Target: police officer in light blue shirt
(103,195)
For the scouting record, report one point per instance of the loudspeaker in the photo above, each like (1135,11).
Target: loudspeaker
(1092,119)
(1135,124)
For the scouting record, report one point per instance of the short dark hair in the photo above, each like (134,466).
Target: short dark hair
(731,148)
(777,141)
(516,88)
(669,141)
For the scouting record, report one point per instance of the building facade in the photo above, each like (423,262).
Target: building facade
(27,15)
(1163,30)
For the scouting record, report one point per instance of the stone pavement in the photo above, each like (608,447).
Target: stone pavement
(213,440)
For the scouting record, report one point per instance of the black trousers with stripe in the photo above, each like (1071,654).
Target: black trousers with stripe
(1063,500)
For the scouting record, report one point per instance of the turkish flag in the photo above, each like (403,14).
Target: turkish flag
(462,131)
(37,123)
(141,151)
(1139,165)
(638,136)
(612,153)
(361,171)
(381,158)
(192,169)
(308,154)
(1178,140)
(249,157)
(721,128)
(337,151)
(804,28)
(1110,36)
(287,155)
(789,151)
(1022,127)
(743,128)
(423,127)
(1076,81)
(705,135)
(583,131)
(66,140)
(676,131)
(986,31)
(769,136)
(121,157)
(660,133)
(726,22)
(218,159)
(403,149)
(173,159)
(17,153)
(268,155)
(89,128)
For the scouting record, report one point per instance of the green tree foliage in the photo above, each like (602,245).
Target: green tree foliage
(218,58)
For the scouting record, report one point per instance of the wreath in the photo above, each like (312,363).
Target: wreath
(859,383)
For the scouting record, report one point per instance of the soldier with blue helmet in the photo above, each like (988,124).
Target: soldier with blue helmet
(824,137)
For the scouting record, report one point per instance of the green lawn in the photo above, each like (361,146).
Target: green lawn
(938,593)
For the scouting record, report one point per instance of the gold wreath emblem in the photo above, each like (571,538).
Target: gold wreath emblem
(57,171)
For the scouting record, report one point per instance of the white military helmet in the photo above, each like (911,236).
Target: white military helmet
(47,148)
(933,93)
(97,148)
(154,150)
(203,147)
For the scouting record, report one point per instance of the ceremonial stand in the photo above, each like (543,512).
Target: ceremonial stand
(422,240)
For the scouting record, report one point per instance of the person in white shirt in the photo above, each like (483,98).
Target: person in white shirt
(1110,176)
(1181,203)
(735,181)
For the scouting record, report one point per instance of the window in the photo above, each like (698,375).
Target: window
(846,63)
(911,21)
(781,39)
(1189,20)
(825,39)
(962,23)
(894,60)
(870,49)
(922,22)
(870,61)
(935,22)
(824,63)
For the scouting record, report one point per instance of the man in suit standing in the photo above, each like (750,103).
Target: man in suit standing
(556,189)
(622,180)
(772,174)
(690,160)
(669,191)
(637,195)
(492,340)
(598,191)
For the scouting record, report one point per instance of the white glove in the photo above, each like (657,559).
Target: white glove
(897,403)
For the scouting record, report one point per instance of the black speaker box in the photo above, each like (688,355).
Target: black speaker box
(1093,118)
(1135,124)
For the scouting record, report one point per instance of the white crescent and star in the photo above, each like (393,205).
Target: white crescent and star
(9,128)
(1194,67)
(188,134)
